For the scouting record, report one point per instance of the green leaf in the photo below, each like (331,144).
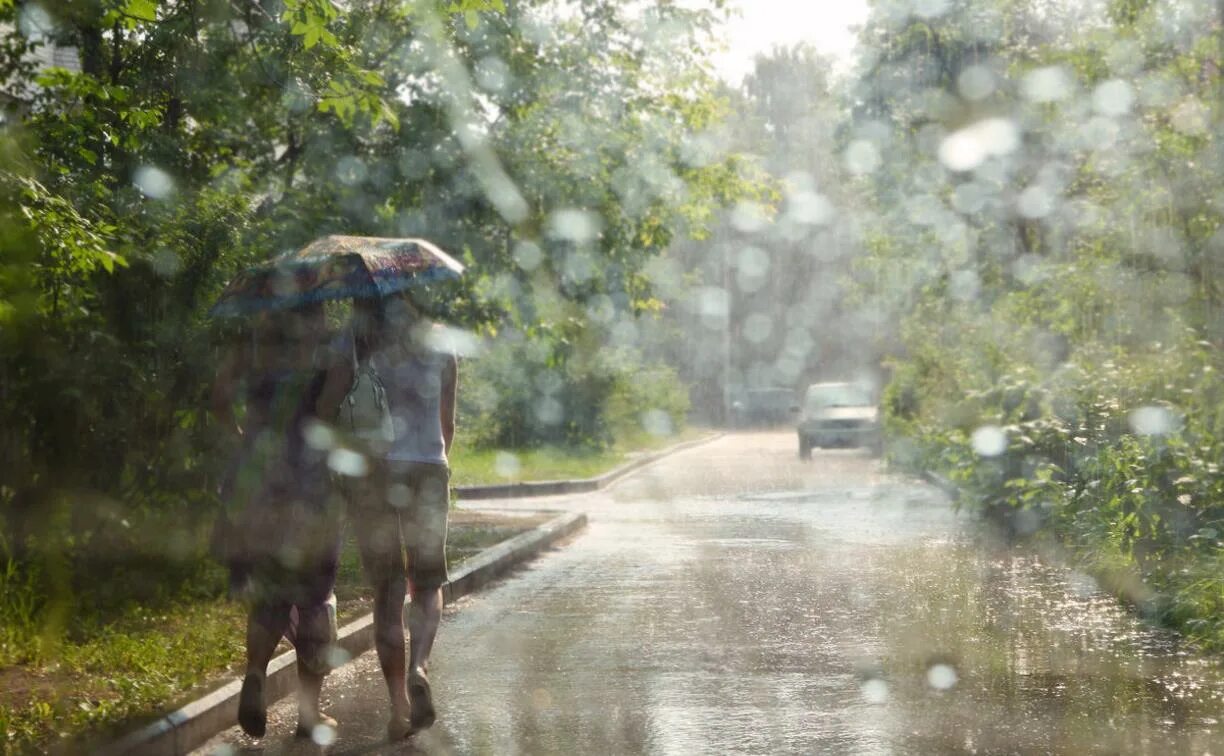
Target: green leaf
(145,10)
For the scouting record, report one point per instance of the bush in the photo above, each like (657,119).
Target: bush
(527,391)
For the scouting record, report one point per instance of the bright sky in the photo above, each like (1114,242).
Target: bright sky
(761,24)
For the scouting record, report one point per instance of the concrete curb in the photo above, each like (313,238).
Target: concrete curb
(564,487)
(943,484)
(191,726)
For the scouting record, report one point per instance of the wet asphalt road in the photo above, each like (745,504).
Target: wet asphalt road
(731,599)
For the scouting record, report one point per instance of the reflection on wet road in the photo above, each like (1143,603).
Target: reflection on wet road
(733,600)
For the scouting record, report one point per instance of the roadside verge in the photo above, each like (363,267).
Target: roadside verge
(582,485)
(189,727)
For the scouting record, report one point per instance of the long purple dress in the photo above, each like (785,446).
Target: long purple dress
(287,516)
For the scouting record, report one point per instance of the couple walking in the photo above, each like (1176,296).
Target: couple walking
(284,540)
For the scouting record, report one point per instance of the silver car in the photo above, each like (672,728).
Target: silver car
(838,414)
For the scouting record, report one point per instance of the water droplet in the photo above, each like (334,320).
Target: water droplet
(506,464)
(166,262)
(1190,117)
(578,267)
(319,435)
(351,170)
(875,690)
(976,83)
(541,698)
(656,422)
(398,495)
(713,304)
(528,255)
(930,8)
(752,269)
(625,333)
(1082,584)
(1048,84)
(337,656)
(1113,98)
(1035,202)
(549,411)
(348,463)
(862,157)
(1152,421)
(749,217)
(35,23)
(809,208)
(964,285)
(989,441)
(575,225)
(942,677)
(492,73)
(967,148)
(153,182)
(323,735)
(757,327)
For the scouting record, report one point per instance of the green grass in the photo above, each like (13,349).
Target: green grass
(473,467)
(118,663)
(107,676)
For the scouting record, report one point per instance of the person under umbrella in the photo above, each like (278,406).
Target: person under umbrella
(283,540)
(333,268)
(399,513)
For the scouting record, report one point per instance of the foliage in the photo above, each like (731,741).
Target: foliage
(1043,226)
(545,149)
(561,390)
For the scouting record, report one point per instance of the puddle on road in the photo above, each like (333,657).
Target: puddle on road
(963,644)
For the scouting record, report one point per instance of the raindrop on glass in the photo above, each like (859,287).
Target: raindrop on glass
(976,83)
(575,225)
(549,411)
(875,690)
(348,463)
(1152,421)
(35,23)
(862,157)
(1113,98)
(930,8)
(528,255)
(506,464)
(942,677)
(749,217)
(656,422)
(757,327)
(1035,202)
(337,656)
(319,435)
(989,441)
(1048,84)
(153,182)
(351,171)
(398,495)
(323,735)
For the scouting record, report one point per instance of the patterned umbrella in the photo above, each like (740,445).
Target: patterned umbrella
(336,267)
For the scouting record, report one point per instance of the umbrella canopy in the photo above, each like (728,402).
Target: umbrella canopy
(336,267)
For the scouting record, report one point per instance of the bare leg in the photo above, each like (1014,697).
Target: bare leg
(265,626)
(389,641)
(424,615)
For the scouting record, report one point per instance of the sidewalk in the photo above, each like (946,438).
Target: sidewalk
(189,727)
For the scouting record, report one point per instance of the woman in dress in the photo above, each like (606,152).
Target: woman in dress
(284,537)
